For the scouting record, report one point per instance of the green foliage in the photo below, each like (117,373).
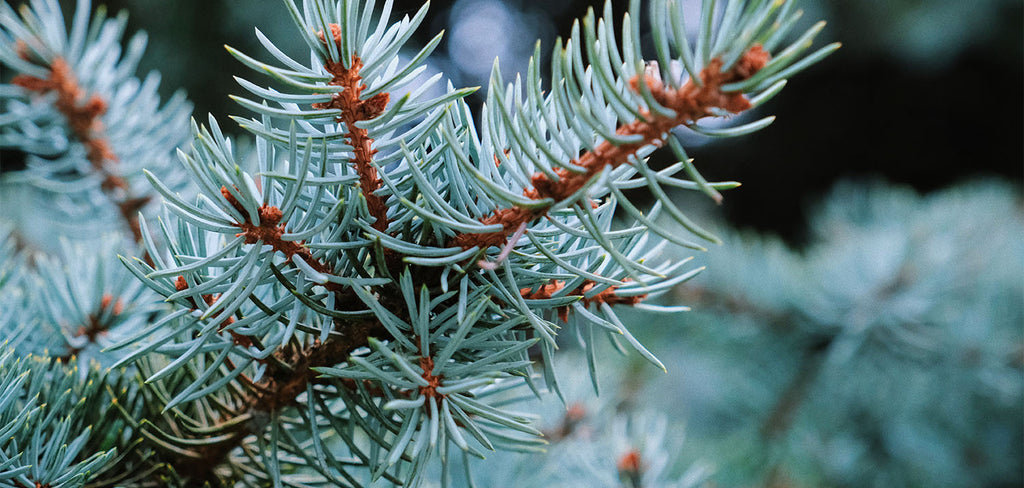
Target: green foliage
(55,428)
(374,289)
(87,181)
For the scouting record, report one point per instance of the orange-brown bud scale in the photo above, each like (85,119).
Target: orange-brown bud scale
(574,416)
(576,412)
(21,48)
(629,463)
(509,218)
(270,231)
(608,296)
(94,327)
(434,382)
(107,300)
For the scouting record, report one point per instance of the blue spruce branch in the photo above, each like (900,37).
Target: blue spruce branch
(367,299)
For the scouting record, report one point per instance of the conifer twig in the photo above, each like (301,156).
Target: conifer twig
(690,103)
(84,120)
(355,110)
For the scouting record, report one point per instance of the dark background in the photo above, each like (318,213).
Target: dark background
(923,92)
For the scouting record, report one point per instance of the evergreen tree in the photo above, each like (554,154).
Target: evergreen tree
(372,292)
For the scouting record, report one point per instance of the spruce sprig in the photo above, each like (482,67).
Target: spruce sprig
(358,305)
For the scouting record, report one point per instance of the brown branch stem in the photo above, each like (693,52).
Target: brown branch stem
(781,417)
(95,325)
(354,110)
(282,385)
(292,370)
(270,232)
(278,390)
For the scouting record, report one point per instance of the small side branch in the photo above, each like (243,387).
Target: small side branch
(690,102)
(244,341)
(292,369)
(83,116)
(96,324)
(607,295)
(269,232)
(354,110)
